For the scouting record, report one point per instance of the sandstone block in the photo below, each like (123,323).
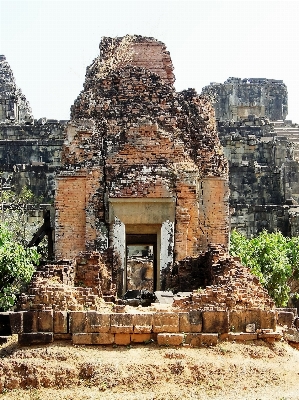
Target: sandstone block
(78,321)
(140,337)
(166,322)
(143,323)
(191,321)
(5,328)
(102,338)
(92,338)
(97,322)
(268,320)
(82,338)
(201,339)
(270,335)
(60,320)
(121,323)
(239,319)
(215,321)
(62,336)
(45,321)
(285,318)
(16,322)
(242,336)
(193,339)
(209,339)
(122,339)
(26,339)
(170,339)
(30,321)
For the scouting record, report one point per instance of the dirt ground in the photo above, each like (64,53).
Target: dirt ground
(254,370)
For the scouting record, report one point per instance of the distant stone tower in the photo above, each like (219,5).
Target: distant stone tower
(237,98)
(14,108)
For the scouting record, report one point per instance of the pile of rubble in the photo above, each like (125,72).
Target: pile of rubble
(229,284)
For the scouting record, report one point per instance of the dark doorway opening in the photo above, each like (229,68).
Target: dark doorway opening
(141,262)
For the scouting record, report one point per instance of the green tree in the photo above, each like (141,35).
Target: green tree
(17,264)
(273,258)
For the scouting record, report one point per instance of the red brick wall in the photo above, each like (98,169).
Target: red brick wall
(70,216)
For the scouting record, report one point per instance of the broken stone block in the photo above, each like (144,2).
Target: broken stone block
(60,322)
(26,339)
(291,335)
(166,322)
(170,339)
(250,328)
(143,323)
(215,321)
(121,323)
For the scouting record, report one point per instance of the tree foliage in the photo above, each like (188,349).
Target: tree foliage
(17,264)
(274,259)
(17,261)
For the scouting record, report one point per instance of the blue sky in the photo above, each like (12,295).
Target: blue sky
(50,43)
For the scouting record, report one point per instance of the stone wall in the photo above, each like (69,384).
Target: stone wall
(262,151)
(195,328)
(30,156)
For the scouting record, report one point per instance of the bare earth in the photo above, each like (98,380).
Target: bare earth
(228,371)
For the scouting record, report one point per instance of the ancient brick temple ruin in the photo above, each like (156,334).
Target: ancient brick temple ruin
(141,202)
(142,164)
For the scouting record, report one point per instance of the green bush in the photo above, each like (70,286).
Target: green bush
(273,258)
